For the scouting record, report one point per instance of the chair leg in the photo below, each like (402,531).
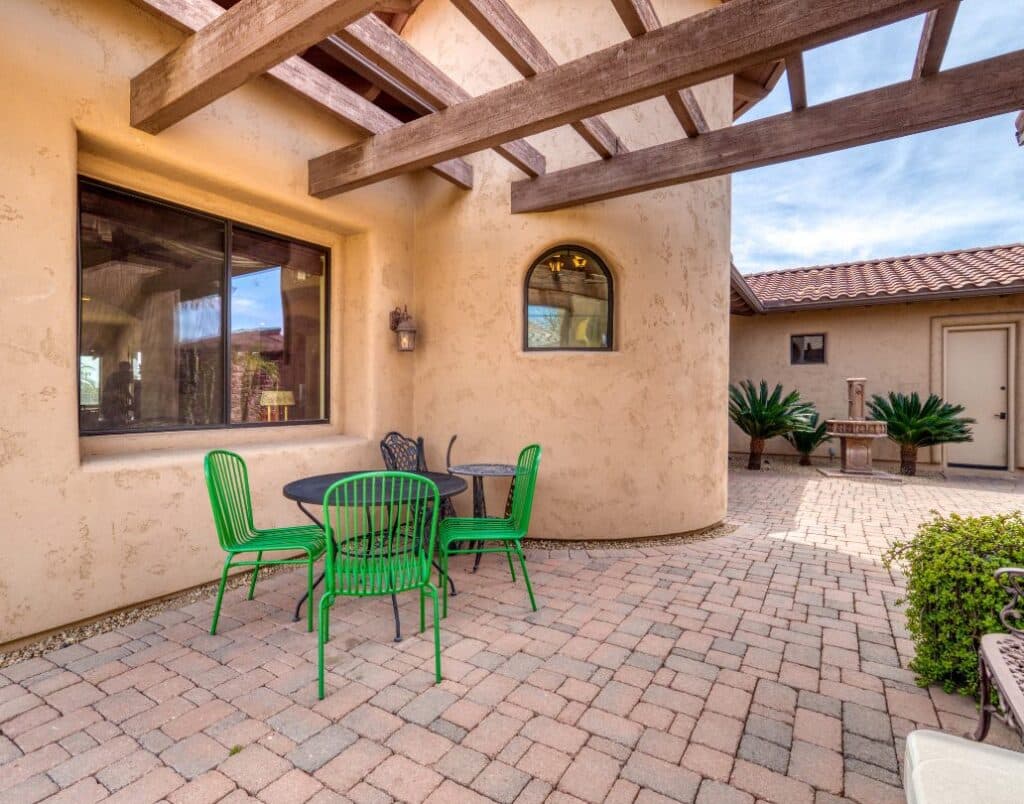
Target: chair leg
(444,586)
(985,710)
(440,576)
(309,594)
(220,595)
(437,633)
(423,616)
(526,576)
(322,637)
(511,567)
(255,573)
(398,622)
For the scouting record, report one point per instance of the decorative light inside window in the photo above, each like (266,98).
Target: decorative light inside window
(579,261)
(556,264)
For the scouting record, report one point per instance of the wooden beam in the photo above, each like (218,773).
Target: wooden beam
(797,81)
(304,78)
(242,43)
(639,17)
(342,52)
(938,25)
(505,29)
(373,40)
(972,92)
(721,41)
(751,90)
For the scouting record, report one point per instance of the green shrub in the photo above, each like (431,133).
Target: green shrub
(952,598)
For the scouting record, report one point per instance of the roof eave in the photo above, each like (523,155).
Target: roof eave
(946,294)
(742,289)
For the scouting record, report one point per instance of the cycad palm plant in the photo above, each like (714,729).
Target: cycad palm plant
(806,441)
(763,415)
(912,424)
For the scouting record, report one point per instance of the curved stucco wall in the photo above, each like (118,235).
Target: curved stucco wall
(634,440)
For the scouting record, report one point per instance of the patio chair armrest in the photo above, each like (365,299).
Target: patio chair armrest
(1012,580)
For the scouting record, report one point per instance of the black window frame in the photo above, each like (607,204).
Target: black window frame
(226,276)
(824,349)
(603,265)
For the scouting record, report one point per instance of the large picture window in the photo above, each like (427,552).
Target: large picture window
(187,320)
(568,301)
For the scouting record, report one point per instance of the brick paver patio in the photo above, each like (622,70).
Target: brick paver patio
(765,665)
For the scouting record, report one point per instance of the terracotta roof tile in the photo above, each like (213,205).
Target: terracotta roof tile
(892,278)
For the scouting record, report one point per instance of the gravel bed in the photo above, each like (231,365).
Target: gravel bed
(721,529)
(111,622)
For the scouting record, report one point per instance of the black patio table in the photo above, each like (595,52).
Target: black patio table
(311,491)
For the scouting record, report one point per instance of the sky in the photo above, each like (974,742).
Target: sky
(957,187)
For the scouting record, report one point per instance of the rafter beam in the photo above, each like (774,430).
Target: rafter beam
(797,81)
(938,25)
(342,52)
(717,42)
(505,29)
(750,90)
(639,17)
(972,92)
(304,78)
(372,40)
(246,41)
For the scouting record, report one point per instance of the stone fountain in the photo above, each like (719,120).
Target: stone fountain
(856,433)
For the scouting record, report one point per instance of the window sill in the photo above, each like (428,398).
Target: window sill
(105,451)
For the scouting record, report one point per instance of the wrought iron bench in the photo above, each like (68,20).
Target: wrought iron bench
(1001,662)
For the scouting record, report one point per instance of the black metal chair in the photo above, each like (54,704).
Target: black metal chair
(1001,661)
(405,454)
(402,454)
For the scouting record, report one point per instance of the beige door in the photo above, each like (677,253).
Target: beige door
(976,366)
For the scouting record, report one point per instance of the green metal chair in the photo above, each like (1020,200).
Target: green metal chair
(466,535)
(381,528)
(227,480)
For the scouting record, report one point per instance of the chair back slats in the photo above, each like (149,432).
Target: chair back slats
(524,484)
(402,454)
(380,529)
(227,482)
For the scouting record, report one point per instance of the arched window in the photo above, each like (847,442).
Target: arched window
(568,301)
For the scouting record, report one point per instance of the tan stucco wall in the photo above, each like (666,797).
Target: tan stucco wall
(898,347)
(90,525)
(635,440)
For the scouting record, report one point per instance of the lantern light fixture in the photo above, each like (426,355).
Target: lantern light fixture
(404,326)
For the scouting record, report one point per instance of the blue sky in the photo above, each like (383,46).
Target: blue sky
(953,188)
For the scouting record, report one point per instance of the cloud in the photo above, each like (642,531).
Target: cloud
(953,188)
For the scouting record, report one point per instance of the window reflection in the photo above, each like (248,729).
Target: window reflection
(277,337)
(151,352)
(568,301)
(156,351)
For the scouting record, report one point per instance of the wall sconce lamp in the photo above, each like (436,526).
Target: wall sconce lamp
(404,326)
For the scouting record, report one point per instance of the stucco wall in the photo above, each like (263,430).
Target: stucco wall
(93,524)
(898,347)
(635,440)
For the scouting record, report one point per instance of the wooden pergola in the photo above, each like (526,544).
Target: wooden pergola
(348,57)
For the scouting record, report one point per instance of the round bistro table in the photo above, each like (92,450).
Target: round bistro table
(478,471)
(311,491)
